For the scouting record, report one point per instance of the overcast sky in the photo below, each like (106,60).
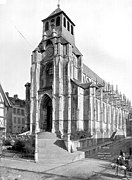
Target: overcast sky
(103,34)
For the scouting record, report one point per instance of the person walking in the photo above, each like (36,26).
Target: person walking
(120,164)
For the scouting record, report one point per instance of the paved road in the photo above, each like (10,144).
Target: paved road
(86,169)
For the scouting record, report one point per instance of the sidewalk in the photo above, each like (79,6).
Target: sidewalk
(82,169)
(30,165)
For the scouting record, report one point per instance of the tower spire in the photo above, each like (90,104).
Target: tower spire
(58,5)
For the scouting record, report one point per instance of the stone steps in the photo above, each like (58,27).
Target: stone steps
(46,135)
(52,148)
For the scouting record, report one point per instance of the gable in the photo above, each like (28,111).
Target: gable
(3,97)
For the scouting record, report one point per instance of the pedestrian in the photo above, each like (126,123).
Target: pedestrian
(120,164)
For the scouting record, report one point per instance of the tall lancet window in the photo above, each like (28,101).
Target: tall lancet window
(96,110)
(47,26)
(58,21)
(64,22)
(49,75)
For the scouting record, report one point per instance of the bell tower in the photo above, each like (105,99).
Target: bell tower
(58,23)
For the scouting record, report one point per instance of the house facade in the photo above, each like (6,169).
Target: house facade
(4,106)
(65,95)
(16,119)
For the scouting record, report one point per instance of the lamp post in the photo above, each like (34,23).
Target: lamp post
(36,146)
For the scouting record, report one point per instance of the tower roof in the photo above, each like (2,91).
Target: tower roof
(57,12)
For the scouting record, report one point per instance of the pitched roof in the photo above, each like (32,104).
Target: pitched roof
(75,49)
(57,12)
(91,74)
(82,85)
(6,100)
(16,101)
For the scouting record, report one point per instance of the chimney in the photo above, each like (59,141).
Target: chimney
(16,96)
(7,94)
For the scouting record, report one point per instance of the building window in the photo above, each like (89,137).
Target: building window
(108,115)
(120,120)
(65,50)
(18,111)
(68,26)
(19,122)
(14,110)
(47,26)
(23,122)
(22,112)
(96,110)
(52,20)
(71,29)
(64,22)
(116,114)
(104,120)
(14,120)
(58,21)
(49,75)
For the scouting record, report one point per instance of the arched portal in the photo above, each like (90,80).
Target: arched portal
(46,114)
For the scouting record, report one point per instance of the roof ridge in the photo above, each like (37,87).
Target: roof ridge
(93,75)
(56,11)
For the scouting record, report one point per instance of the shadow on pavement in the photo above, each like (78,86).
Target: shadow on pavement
(108,175)
(106,167)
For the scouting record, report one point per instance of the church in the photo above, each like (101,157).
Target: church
(66,96)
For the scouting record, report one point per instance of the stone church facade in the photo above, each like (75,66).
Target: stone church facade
(66,96)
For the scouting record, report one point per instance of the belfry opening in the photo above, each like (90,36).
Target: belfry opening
(46,114)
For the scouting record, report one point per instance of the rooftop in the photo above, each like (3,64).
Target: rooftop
(57,12)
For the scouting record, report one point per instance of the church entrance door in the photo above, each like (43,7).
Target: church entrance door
(46,114)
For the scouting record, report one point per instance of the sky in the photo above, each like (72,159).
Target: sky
(103,34)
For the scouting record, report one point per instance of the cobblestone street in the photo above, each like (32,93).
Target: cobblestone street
(86,169)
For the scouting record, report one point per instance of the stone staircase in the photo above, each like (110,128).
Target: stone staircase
(52,149)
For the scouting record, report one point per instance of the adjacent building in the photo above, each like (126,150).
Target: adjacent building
(66,95)
(16,120)
(4,106)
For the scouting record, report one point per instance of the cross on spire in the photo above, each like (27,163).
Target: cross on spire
(58,5)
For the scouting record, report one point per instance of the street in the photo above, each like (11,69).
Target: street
(86,169)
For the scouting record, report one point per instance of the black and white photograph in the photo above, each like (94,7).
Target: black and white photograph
(65,89)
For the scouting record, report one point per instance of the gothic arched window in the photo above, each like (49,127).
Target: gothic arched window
(96,110)
(116,115)
(108,115)
(104,120)
(48,43)
(49,75)
(58,21)
(119,120)
(47,26)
